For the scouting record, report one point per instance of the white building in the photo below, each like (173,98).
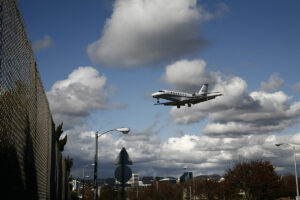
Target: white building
(75,185)
(134,181)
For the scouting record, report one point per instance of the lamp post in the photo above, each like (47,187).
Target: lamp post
(190,186)
(77,186)
(97,135)
(294,150)
(83,176)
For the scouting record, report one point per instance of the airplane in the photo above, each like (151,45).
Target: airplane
(181,99)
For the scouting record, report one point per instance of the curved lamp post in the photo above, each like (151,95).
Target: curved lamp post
(97,135)
(294,150)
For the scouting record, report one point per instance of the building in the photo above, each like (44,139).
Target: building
(147,180)
(75,184)
(215,177)
(168,180)
(186,176)
(134,180)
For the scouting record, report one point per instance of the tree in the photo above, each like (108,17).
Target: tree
(207,188)
(74,196)
(108,193)
(88,193)
(256,178)
(69,163)
(165,191)
(227,191)
(288,188)
(60,142)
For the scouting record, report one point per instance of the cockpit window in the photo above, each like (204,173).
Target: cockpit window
(160,91)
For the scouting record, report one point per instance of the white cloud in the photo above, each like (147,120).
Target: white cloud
(297,86)
(143,32)
(81,144)
(235,129)
(201,154)
(73,98)
(237,112)
(44,43)
(274,83)
(192,75)
(222,9)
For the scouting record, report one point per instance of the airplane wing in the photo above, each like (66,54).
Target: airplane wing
(216,95)
(213,92)
(172,103)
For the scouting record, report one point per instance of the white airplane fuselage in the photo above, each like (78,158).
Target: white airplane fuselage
(173,96)
(181,98)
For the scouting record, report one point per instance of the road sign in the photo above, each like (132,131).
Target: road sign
(123,158)
(127,173)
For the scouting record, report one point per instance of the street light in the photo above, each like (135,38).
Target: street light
(78,186)
(85,166)
(97,135)
(294,149)
(190,187)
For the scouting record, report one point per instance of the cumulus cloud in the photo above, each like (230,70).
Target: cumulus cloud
(238,112)
(222,9)
(297,86)
(144,32)
(43,43)
(74,98)
(274,83)
(201,154)
(186,75)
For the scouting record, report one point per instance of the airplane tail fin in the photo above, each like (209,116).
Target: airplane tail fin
(203,90)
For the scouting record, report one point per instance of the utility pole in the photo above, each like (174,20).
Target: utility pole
(83,184)
(97,135)
(194,189)
(297,197)
(190,192)
(96,168)
(296,176)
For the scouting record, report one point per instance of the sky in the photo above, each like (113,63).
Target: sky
(100,61)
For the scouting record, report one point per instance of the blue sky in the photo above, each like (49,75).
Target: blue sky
(245,44)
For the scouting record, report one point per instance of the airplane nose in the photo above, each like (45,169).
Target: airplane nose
(154,95)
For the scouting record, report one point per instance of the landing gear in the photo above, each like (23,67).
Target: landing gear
(157,101)
(189,105)
(178,106)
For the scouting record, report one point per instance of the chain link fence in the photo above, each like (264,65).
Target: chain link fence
(31,165)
